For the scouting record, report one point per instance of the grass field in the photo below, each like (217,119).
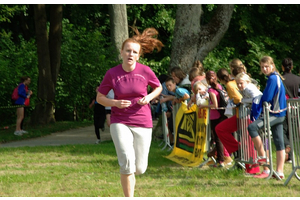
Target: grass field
(93,171)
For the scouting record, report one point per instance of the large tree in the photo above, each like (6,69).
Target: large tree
(118,25)
(191,40)
(48,49)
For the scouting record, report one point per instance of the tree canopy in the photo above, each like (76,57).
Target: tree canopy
(86,47)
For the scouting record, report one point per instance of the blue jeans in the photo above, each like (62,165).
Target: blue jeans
(276,124)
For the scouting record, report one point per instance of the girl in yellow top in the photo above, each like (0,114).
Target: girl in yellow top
(224,131)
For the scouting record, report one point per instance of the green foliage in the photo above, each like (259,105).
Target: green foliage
(159,16)
(158,67)
(218,59)
(85,57)
(16,60)
(256,31)
(8,11)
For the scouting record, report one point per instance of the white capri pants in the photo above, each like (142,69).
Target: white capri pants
(132,145)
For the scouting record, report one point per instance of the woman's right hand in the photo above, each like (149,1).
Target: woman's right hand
(123,103)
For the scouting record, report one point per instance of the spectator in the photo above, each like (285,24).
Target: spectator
(292,83)
(235,71)
(165,103)
(236,63)
(181,94)
(23,100)
(200,91)
(196,73)
(181,78)
(251,97)
(99,116)
(215,118)
(110,95)
(274,94)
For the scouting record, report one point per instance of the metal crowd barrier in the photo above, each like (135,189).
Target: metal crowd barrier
(294,133)
(165,128)
(166,139)
(246,153)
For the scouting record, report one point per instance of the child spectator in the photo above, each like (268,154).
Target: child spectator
(251,97)
(235,71)
(223,130)
(215,118)
(251,94)
(181,94)
(274,94)
(196,73)
(236,63)
(201,93)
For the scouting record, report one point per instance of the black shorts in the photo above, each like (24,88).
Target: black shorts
(107,111)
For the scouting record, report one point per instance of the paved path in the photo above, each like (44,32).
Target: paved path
(84,135)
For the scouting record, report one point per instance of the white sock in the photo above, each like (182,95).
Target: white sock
(267,171)
(280,173)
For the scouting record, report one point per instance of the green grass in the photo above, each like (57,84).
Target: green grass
(93,171)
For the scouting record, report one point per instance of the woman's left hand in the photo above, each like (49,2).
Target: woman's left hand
(201,106)
(144,101)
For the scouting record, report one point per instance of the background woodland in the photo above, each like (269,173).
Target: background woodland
(66,49)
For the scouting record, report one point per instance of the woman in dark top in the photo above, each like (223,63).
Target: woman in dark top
(292,83)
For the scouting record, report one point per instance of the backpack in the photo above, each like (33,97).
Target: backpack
(15,94)
(223,101)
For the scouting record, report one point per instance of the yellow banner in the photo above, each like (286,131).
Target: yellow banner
(190,137)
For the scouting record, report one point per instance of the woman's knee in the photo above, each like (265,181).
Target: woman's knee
(140,170)
(253,130)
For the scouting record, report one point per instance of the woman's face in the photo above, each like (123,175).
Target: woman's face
(200,89)
(266,68)
(27,81)
(241,84)
(211,78)
(176,79)
(130,53)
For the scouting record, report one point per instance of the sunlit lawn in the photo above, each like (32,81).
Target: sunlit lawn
(92,171)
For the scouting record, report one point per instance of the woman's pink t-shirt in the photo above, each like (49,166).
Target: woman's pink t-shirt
(130,86)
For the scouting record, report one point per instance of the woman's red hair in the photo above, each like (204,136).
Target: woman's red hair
(147,40)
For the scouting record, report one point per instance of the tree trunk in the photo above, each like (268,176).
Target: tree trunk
(55,35)
(118,26)
(192,42)
(48,61)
